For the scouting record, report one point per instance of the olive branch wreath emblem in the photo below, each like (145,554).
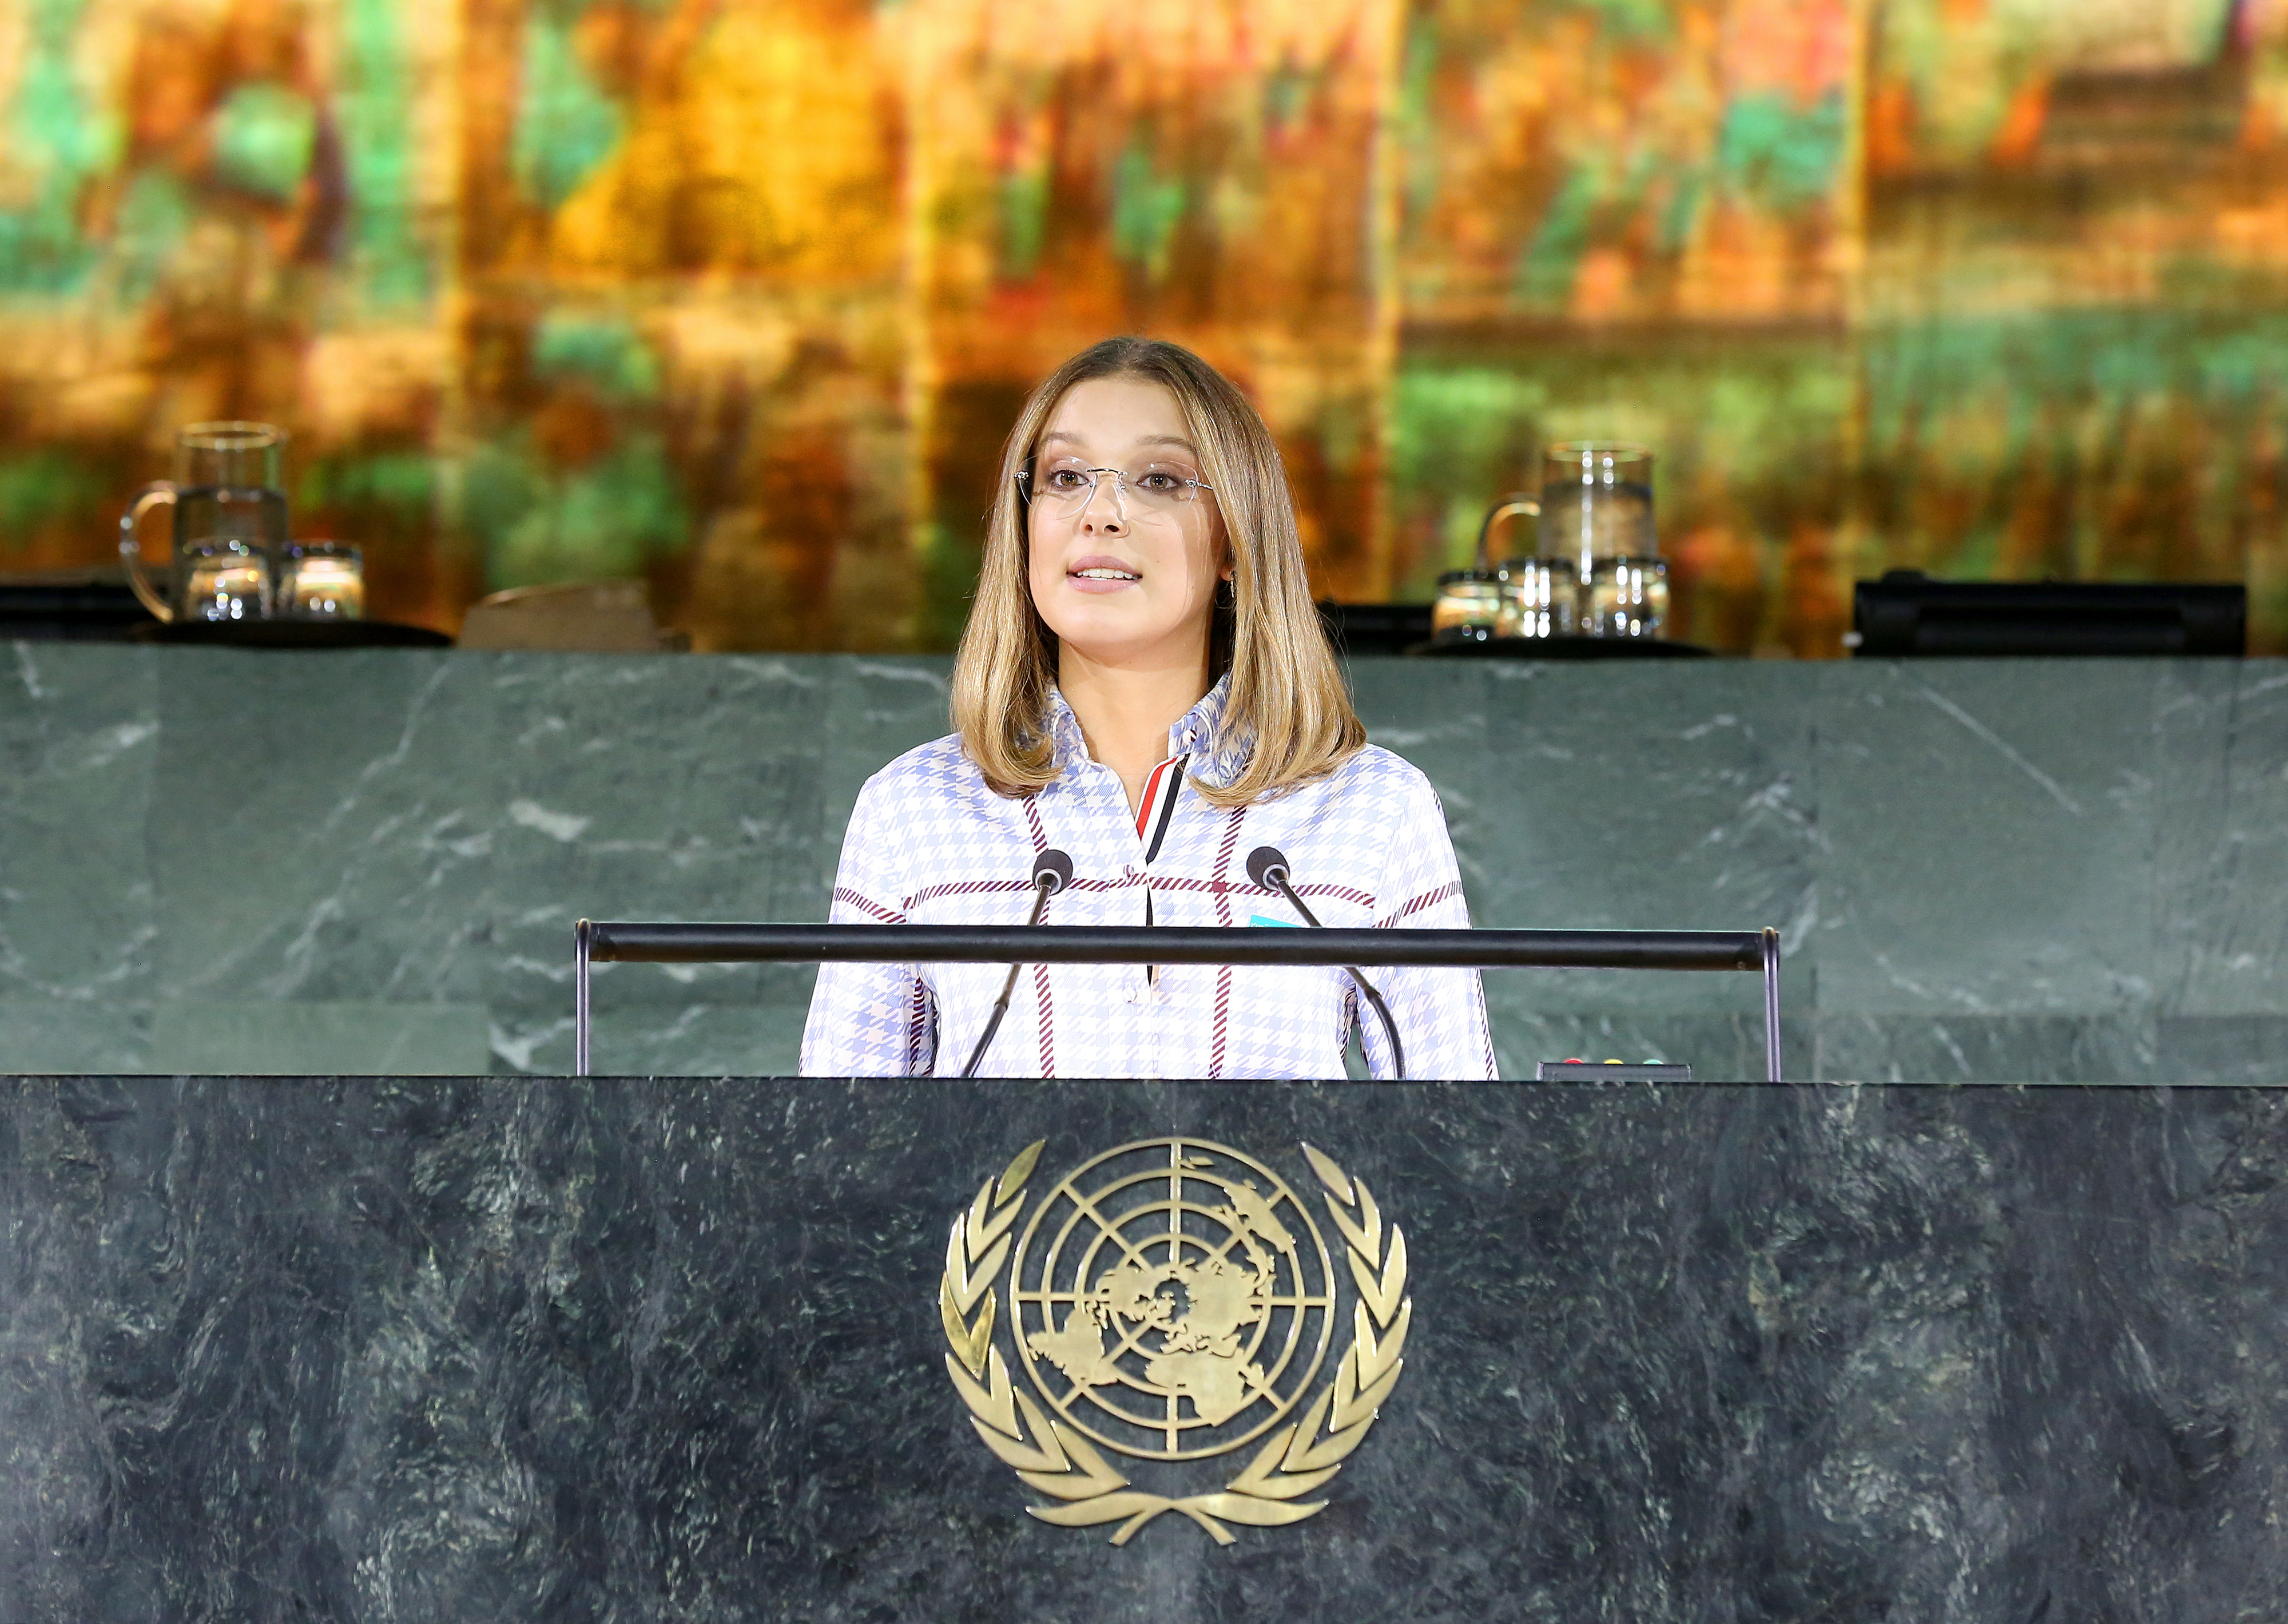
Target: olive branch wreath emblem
(1054,1459)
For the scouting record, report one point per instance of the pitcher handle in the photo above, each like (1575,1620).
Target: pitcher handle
(131,548)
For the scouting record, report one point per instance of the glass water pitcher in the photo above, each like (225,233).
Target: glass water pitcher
(228,528)
(1596,515)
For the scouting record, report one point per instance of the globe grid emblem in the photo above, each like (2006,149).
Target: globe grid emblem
(1171,1299)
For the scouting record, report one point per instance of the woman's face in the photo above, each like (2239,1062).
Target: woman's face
(1126,573)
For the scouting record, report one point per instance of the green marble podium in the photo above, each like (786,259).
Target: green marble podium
(400,1349)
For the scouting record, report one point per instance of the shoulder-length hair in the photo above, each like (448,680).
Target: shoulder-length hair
(1287,693)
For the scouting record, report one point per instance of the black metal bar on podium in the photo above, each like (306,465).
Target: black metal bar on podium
(1754,951)
(1600,950)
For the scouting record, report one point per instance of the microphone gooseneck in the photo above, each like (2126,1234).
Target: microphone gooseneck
(1266,867)
(1052,871)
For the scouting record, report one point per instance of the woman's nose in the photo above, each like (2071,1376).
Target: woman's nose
(1100,514)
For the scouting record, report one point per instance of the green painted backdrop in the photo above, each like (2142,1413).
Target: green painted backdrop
(739,295)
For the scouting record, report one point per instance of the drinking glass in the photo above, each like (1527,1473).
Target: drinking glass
(1539,597)
(1469,607)
(221,580)
(323,580)
(1625,597)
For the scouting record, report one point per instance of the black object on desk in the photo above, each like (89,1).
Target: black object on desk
(69,608)
(1908,613)
(292,634)
(1405,628)
(1375,628)
(1566,647)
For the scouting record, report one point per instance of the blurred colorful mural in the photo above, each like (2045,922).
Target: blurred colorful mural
(739,295)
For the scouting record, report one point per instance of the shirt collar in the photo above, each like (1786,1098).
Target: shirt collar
(1218,751)
(1066,744)
(1218,754)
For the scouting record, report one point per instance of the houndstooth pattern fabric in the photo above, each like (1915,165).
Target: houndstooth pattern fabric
(929,844)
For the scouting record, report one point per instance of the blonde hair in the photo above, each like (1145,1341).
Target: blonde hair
(1287,692)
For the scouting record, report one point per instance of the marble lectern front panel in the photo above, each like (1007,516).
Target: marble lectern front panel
(439,1348)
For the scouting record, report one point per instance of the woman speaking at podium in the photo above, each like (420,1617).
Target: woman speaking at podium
(1145,686)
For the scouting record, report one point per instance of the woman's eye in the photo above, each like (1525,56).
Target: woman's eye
(1066,479)
(1158,478)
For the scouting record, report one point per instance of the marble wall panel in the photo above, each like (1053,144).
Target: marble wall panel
(324,827)
(2223,1049)
(58,1034)
(1859,1047)
(1650,797)
(702,1039)
(654,789)
(79,742)
(1988,836)
(2060,870)
(255,1037)
(2220,878)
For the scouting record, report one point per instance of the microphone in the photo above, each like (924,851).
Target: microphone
(1051,871)
(1266,867)
(1052,874)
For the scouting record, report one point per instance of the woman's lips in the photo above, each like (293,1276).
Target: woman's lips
(1101,575)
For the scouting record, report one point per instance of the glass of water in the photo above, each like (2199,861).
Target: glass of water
(323,580)
(1625,597)
(1539,597)
(222,580)
(1469,607)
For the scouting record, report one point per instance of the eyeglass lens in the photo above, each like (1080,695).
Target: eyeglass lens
(1067,482)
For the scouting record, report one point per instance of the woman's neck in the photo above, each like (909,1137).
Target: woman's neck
(1125,711)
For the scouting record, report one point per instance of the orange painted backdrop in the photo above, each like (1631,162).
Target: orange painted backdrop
(739,295)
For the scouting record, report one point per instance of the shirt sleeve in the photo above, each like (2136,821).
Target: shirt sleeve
(869,1020)
(1440,1014)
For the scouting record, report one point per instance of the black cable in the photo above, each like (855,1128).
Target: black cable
(1052,874)
(1008,986)
(1276,873)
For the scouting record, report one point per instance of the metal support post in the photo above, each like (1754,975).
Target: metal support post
(583,935)
(1771,1004)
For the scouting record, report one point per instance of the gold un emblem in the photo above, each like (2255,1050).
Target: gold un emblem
(1172,1300)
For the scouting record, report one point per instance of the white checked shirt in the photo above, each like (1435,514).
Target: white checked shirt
(929,844)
